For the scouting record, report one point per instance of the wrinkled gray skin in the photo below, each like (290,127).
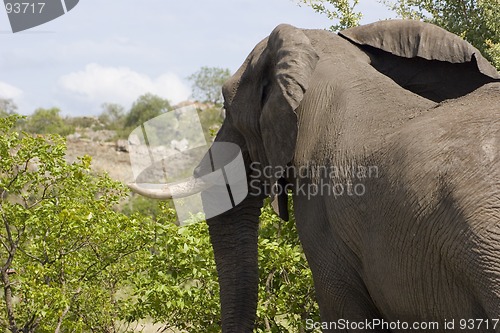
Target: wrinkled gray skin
(423,241)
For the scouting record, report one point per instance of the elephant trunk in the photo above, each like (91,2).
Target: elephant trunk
(234,240)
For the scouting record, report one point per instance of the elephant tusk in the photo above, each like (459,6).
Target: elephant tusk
(170,191)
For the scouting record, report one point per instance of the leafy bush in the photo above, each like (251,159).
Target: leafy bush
(112,116)
(144,108)
(211,120)
(83,122)
(69,261)
(7,107)
(65,252)
(143,206)
(47,121)
(286,292)
(178,284)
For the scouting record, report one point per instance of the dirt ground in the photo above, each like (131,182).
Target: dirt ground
(105,157)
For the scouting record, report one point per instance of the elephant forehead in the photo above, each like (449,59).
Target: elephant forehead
(248,69)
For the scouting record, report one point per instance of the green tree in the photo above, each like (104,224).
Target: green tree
(65,253)
(207,84)
(341,11)
(144,108)
(7,107)
(47,121)
(211,120)
(113,116)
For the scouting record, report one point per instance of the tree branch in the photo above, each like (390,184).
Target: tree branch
(66,310)
(32,324)
(7,289)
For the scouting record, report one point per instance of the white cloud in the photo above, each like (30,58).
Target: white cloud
(9,91)
(122,85)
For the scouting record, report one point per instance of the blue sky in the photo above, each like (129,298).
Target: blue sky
(115,50)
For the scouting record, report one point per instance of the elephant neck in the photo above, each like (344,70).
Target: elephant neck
(356,108)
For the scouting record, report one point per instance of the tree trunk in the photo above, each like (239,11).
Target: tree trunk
(7,290)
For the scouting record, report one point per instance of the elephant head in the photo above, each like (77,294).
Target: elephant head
(261,102)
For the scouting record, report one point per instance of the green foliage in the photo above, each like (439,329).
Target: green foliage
(7,107)
(207,84)
(47,121)
(71,262)
(286,293)
(64,251)
(144,108)
(83,122)
(342,11)
(149,106)
(493,52)
(143,206)
(112,116)
(178,283)
(211,120)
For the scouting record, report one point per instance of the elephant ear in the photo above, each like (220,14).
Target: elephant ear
(291,61)
(423,58)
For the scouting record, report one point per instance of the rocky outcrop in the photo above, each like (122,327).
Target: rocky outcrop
(105,155)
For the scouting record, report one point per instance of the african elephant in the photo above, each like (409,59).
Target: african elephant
(417,239)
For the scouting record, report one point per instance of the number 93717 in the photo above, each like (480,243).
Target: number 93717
(24,7)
